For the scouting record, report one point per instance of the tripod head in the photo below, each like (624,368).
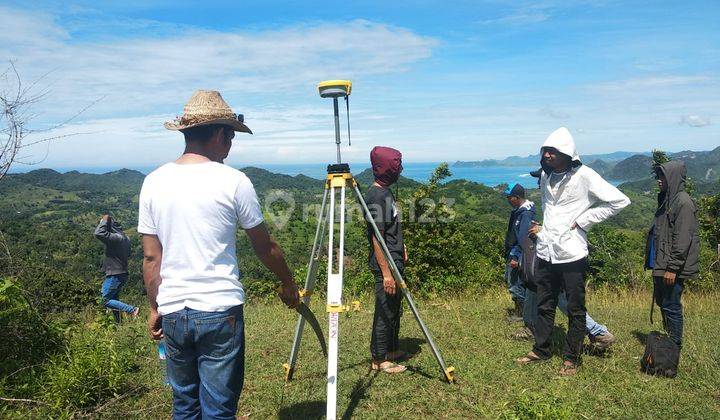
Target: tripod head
(337,89)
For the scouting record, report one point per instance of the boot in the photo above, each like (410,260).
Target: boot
(516,314)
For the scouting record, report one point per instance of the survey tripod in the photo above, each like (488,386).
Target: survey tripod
(339,179)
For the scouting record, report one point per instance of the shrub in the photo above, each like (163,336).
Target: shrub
(617,257)
(96,365)
(21,327)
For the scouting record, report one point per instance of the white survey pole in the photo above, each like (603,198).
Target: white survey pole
(334,292)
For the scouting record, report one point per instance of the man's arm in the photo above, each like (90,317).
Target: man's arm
(610,202)
(105,233)
(152,258)
(682,236)
(388,279)
(271,255)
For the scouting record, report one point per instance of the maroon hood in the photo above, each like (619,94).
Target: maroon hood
(386,165)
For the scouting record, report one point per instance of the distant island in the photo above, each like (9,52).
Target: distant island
(702,166)
(535,159)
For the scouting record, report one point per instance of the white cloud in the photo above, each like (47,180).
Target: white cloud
(138,74)
(518,18)
(144,78)
(533,11)
(694,121)
(651,82)
(554,113)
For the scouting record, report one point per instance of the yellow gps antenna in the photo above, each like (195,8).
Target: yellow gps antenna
(335,89)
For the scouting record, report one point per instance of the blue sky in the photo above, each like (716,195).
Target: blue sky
(463,80)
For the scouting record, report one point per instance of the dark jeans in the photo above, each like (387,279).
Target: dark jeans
(205,362)
(668,299)
(111,287)
(551,280)
(386,321)
(516,286)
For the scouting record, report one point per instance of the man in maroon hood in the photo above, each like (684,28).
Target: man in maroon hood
(384,347)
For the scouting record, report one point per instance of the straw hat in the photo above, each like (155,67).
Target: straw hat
(207,107)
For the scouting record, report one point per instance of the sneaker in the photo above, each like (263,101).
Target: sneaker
(135,312)
(603,341)
(523,333)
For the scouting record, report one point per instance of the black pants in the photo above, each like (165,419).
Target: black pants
(551,279)
(386,321)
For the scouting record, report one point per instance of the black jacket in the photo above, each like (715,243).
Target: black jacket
(677,244)
(117,247)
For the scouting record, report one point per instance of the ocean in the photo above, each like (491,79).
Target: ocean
(491,175)
(418,171)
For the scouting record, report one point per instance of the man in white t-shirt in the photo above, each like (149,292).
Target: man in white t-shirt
(190,210)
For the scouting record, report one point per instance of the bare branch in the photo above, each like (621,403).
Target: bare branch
(16,104)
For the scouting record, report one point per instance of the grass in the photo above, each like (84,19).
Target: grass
(472,334)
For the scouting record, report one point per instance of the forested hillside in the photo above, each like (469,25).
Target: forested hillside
(49,263)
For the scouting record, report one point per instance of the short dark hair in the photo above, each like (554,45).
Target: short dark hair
(201,133)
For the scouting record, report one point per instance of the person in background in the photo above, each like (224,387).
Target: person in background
(673,245)
(574,198)
(115,266)
(384,343)
(522,213)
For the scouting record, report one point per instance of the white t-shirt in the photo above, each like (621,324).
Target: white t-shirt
(195,209)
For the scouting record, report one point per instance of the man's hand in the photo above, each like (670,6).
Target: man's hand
(669,278)
(405,254)
(155,325)
(534,229)
(289,295)
(389,285)
(514,264)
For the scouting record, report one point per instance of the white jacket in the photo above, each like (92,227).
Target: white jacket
(582,197)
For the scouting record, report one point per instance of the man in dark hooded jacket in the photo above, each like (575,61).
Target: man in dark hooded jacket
(384,344)
(673,245)
(115,265)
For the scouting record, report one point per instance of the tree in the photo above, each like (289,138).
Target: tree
(659,157)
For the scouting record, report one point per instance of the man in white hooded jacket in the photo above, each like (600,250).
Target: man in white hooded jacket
(574,198)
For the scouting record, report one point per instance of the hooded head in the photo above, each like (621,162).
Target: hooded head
(386,165)
(562,141)
(675,175)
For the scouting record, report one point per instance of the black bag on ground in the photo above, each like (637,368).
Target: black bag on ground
(661,356)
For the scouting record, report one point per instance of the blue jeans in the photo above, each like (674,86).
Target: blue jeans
(668,299)
(205,362)
(513,276)
(111,291)
(530,313)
